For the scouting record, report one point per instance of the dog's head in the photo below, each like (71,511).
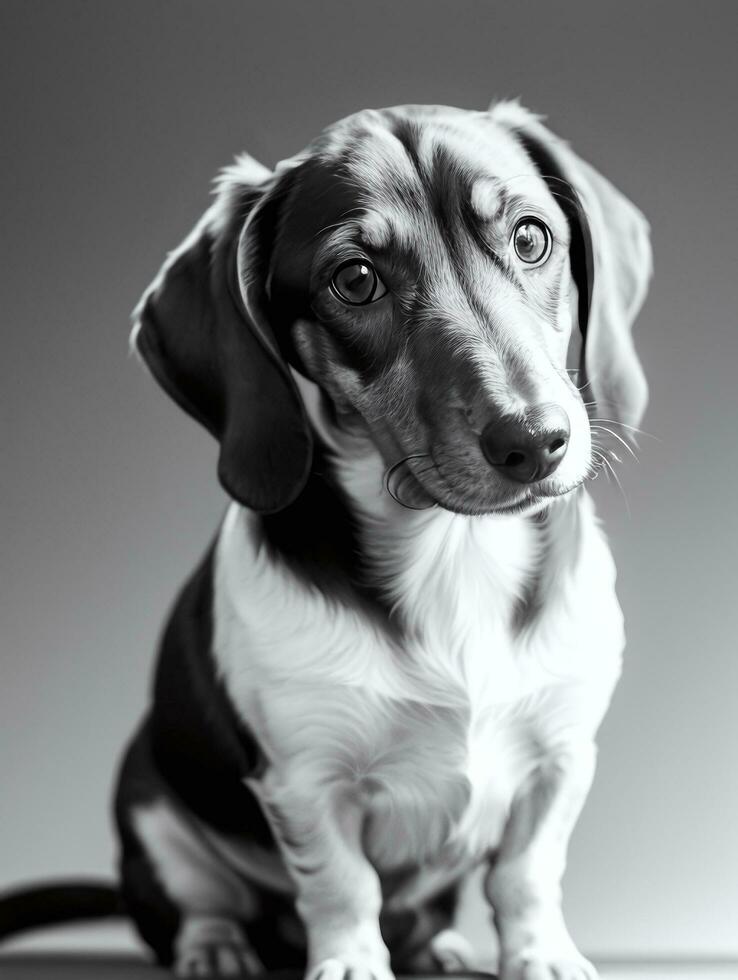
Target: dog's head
(426,268)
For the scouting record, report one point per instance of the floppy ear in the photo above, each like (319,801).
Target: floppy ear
(610,259)
(203,331)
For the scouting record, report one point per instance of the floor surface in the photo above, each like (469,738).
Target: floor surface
(112,951)
(66,966)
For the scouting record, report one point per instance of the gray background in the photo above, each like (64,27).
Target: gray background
(114,119)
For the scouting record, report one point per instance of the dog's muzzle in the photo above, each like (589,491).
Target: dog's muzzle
(528,446)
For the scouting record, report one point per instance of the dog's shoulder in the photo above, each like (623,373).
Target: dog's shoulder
(199,744)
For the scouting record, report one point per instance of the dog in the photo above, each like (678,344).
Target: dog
(390,667)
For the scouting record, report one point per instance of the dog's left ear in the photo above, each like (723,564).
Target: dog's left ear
(203,330)
(610,258)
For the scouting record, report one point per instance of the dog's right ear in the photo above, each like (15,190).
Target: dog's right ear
(202,329)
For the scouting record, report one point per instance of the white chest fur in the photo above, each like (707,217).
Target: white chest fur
(434,734)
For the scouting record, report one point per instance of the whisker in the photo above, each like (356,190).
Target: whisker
(632,428)
(604,468)
(620,485)
(606,464)
(625,425)
(599,463)
(604,428)
(576,374)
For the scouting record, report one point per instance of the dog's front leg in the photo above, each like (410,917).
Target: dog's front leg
(524,883)
(338,891)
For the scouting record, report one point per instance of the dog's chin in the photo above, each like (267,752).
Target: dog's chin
(527,505)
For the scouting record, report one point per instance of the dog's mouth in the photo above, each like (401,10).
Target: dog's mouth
(406,483)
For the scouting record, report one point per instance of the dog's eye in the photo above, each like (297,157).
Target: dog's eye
(357,283)
(532,241)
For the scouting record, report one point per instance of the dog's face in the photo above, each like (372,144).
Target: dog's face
(420,268)
(422,273)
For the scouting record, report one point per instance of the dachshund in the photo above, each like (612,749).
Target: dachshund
(390,667)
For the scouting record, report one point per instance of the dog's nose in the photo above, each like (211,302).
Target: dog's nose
(527,447)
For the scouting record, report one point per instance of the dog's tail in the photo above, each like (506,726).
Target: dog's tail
(57,902)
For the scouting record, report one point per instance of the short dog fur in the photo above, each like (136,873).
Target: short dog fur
(391,665)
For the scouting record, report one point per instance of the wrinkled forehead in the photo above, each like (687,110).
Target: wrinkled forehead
(411,158)
(390,174)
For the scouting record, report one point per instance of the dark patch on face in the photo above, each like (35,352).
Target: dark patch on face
(366,342)
(321,199)
(317,200)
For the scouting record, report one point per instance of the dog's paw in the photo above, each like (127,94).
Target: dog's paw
(350,968)
(542,966)
(213,947)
